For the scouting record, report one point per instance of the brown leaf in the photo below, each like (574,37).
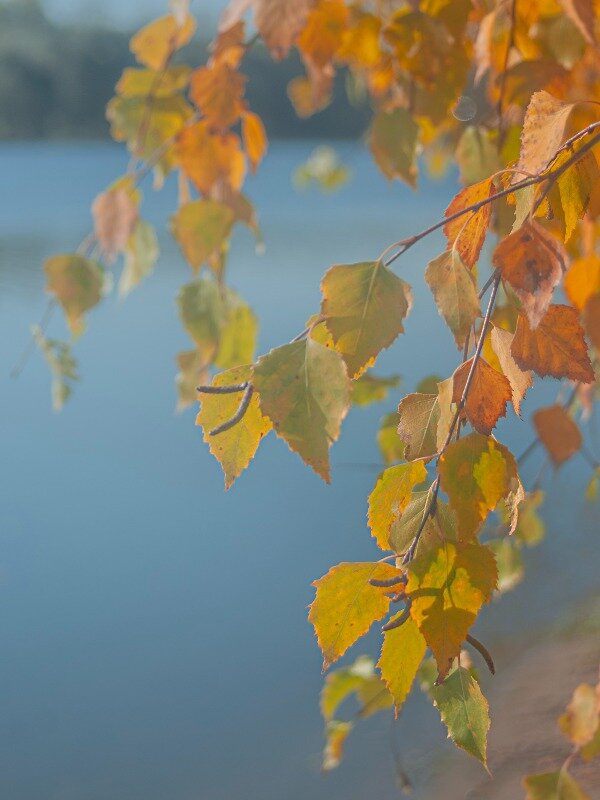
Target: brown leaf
(533,263)
(218,91)
(519,380)
(591,320)
(470,229)
(556,347)
(115,214)
(558,433)
(488,394)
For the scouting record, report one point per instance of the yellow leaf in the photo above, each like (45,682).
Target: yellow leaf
(390,497)
(201,228)
(254,137)
(582,281)
(209,158)
(234,448)
(466,234)
(336,734)
(364,305)
(580,721)
(154,44)
(77,283)
(323,33)
(543,131)
(476,472)
(455,294)
(346,605)
(145,82)
(305,391)
(422,424)
(401,655)
(447,586)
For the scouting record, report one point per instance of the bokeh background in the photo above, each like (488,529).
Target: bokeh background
(153,633)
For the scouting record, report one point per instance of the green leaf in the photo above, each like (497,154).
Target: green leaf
(424,421)
(370,388)
(201,228)
(455,294)
(141,255)
(465,712)
(401,655)
(346,605)
(364,305)
(438,528)
(553,786)
(393,142)
(77,283)
(62,366)
(390,496)
(305,391)
(390,444)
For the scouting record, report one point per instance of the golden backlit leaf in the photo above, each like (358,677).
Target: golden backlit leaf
(234,448)
(447,587)
(556,347)
(254,137)
(305,391)
(201,229)
(208,157)
(543,131)
(346,605)
(520,381)
(489,392)
(115,214)
(466,234)
(582,280)
(77,284)
(574,188)
(393,141)
(401,655)
(455,294)
(423,423)
(533,263)
(476,472)
(217,91)
(364,306)
(390,497)
(144,82)
(155,43)
(558,432)
(321,37)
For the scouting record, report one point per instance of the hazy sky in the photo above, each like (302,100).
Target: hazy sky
(123,13)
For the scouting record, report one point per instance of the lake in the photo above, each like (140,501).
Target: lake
(154,641)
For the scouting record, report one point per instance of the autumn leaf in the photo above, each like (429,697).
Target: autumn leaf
(254,137)
(360,680)
(582,13)
(278,21)
(401,655)
(115,215)
(393,141)
(390,445)
(305,391)
(543,131)
(439,526)
(336,733)
(201,228)
(591,320)
(154,44)
(573,190)
(455,294)
(237,339)
(192,371)
(520,381)
(582,280)
(447,586)
(556,347)
(533,263)
(489,392)
(466,234)
(423,424)
(209,158)
(580,721)
(553,786)
(233,448)
(369,388)
(144,82)
(346,605)
(558,432)
(363,305)
(465,712)
(63,366)
(217,91)
(141,254)
(77,284)
(390,496)
(476,472)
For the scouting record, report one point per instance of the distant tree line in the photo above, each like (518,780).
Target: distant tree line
(55,81)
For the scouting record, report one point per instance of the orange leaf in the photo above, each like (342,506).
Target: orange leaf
(154,44)
(591,320)
(208,158)
(217,91)
(469,229)
(322,35)
(488,394)
(583,280)
(533,262)
(255,138)
(543,131)
(558,433)
(556,347)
